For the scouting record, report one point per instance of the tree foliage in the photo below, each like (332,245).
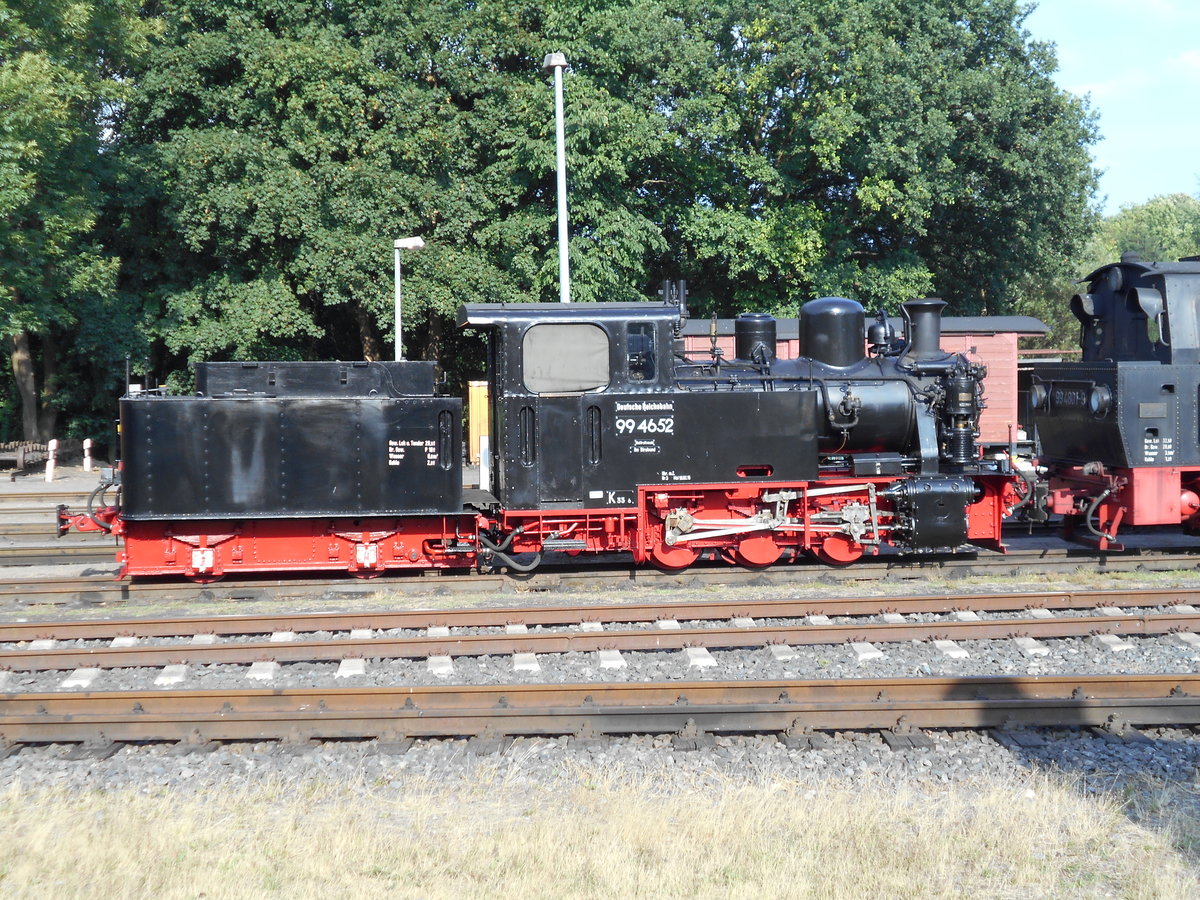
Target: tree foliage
(768,152)
(267,152)
(1163,228)
(59,311)
(880,149)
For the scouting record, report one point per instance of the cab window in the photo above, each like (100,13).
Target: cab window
(565,358)
(641,351)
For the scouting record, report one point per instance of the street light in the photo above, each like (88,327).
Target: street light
(408,243)
(558,62)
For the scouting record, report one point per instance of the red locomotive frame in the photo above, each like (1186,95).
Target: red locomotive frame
(670,527)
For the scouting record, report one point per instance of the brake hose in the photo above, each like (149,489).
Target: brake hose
(100,491)
(507,560)
(1091,510)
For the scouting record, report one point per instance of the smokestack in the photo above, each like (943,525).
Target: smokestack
(923,327)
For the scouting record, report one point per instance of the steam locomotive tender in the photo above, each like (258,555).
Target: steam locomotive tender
(604,438)
(1119,431)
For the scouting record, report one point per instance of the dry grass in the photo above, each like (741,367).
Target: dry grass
(584,839)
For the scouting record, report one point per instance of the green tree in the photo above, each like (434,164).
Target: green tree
(885,148)
(59,68)
(274,149)
(768,152)
(1162,228)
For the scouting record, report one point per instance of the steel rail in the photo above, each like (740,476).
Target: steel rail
(108,657)
(35,499)
(576,614)
(397,712)
(105,588)
(44,529)
(25,554)
(48,511)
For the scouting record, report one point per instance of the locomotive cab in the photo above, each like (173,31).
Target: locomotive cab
(585,407)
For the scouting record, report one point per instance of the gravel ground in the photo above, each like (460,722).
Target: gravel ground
(1098,764)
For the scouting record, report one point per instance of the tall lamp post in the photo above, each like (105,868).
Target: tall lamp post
(558,62)
(408,243)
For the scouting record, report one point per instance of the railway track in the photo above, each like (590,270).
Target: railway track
(31,496)
(706,610)
(100,551)
(177,649)
(693,710)
(439,636)
(28,531)
(792,709)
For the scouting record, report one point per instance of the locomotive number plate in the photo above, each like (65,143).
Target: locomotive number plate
(641,419)
(660,425)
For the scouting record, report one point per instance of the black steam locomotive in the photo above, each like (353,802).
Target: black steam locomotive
(605,438)
(1119,431)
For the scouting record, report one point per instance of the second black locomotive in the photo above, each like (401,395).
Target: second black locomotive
(1119,430)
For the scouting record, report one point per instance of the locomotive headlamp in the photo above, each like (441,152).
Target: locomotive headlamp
(1039,396)
(1100,401)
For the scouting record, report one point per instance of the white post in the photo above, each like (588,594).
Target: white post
(52,460)
(399,330)
(412,243)
(558,62)
(485,464)
(87,454)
